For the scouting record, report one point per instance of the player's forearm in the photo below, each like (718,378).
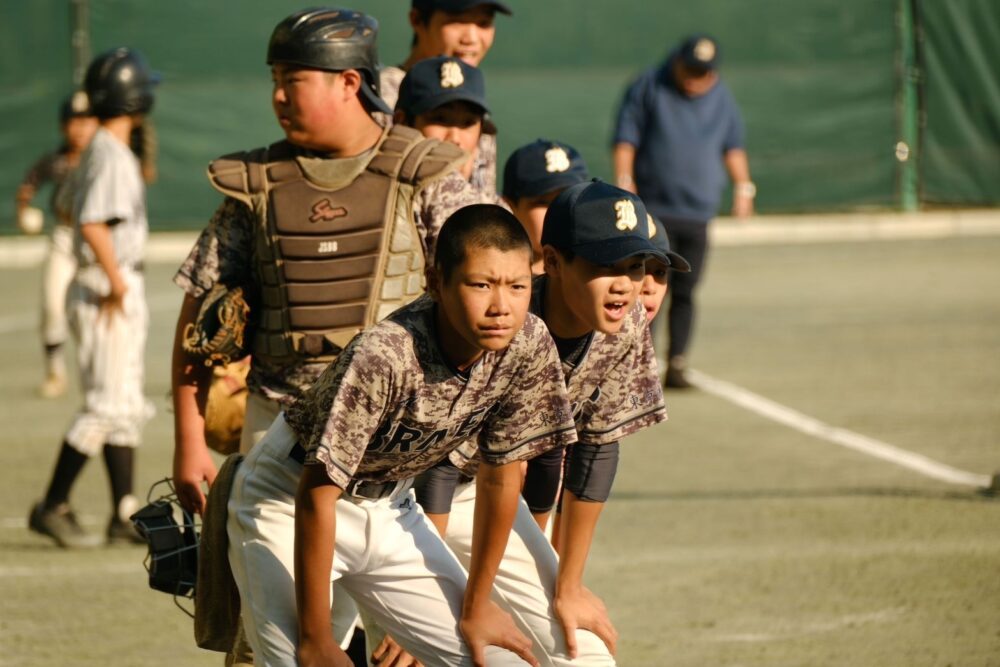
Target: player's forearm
(577,525)
(25,193)
(97,235)
(189,384)
(315,533)
(623,158)
(497,491)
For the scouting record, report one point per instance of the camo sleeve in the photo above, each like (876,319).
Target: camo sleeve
(439,199)
(222,253)
(629,397)
(536,415)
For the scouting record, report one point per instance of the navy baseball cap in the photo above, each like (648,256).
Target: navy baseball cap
(541,167)
(434,82)
(658,235)
(76,105)
(458,6)
(699,52)
(599,222)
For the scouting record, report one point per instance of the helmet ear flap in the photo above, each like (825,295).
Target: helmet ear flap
(172,535)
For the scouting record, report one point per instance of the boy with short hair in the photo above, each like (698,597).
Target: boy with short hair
(533,176)
(594,247)
(107,303)
(465,362)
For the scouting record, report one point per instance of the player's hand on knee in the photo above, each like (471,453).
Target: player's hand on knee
(489,625)
(581,609)
(190,472)
(322,654)
(390,654)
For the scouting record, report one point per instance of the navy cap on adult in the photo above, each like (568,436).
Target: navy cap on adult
(599,222)
(457,6)
(658,235)
(541,167)
(434,82)
(699,52)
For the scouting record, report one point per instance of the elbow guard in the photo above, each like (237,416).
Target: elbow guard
(590,471)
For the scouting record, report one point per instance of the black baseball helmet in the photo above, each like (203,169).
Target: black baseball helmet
(120,82)
(330,39)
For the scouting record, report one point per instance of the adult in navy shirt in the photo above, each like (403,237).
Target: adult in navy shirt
(678,133)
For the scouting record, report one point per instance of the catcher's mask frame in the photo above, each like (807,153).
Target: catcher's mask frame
(172,534)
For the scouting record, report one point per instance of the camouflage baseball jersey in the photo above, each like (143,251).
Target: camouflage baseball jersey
(225,252)
(613,386)
(390,406)
(484,171)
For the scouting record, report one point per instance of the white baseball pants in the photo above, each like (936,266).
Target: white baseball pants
(110,353)
(526,583)
(260,414)
(388,557)
(57,274)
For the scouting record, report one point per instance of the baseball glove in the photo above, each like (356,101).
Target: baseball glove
(220,334)
(226,406)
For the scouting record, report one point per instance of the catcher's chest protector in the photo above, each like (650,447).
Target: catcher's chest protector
(335,253)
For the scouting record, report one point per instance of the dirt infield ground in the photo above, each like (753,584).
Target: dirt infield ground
(730,539)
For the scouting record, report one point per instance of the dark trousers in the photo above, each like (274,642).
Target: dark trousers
(690,241)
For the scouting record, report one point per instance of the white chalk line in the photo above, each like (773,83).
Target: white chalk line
(838,436)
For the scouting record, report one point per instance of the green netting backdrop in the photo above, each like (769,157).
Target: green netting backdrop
(817,81)
(961,141)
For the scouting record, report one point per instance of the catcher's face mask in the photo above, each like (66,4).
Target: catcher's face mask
(172,536)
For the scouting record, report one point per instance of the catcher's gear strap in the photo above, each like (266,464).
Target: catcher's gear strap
(216,598)
(590,470)
(402,153)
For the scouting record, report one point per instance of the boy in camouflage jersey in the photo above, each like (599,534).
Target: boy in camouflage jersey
(459,29)
(445,98)
(594,247)
(466,362)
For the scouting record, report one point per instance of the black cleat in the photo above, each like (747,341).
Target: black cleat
(61,525)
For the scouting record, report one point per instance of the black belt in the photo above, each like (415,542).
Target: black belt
(359,488)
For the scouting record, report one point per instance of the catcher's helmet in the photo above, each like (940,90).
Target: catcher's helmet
(172,533)
(333,40)
(120,82)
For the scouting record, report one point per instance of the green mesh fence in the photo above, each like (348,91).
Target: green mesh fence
(817,82)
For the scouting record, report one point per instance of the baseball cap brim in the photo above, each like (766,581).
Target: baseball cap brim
(543,186)
(612,251)
(676,262)
(456,6)
(374,99)
(436,101)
